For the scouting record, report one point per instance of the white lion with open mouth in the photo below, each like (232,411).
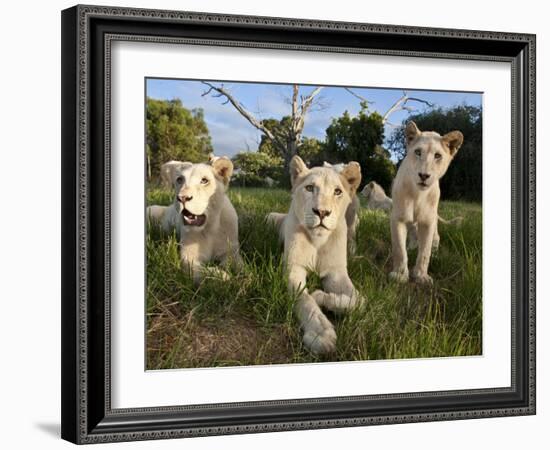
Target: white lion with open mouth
(202,215)
(315,237)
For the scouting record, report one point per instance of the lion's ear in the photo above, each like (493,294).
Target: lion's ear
(411,132)
(327,165)
(170,170)
(453,141)
(298,169)
(223,167)
(352,174)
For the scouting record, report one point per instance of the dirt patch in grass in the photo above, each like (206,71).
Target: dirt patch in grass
(188,342)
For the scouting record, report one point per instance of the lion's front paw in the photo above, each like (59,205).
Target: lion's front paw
(320,343)
(422,278)
(401,276)
(319,296)
(335,302)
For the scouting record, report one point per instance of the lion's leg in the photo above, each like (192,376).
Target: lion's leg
(232,259)
(191,264)
(339,295)
(400,270)
(193,268)
(426,231)
(319,335)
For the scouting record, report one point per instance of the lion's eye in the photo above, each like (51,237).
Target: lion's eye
(437,156)
(418,152)
(309,188)
(337,191)
(205,180)
(179,180)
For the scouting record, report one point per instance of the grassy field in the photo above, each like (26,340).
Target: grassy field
(249,319)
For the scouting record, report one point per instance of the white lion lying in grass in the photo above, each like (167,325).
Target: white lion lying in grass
(376,197)
(315,235)
(202,215)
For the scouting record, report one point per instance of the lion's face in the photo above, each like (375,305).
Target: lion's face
(320,196)
(429,154)
(197,188)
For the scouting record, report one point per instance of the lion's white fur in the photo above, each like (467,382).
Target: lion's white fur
(315,243)
(415,195)
(352,213)
(378,200)
(376,197)
(203,190)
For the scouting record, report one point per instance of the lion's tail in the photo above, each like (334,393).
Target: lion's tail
(454,221)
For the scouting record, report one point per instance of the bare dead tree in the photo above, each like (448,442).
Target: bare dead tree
(286,141)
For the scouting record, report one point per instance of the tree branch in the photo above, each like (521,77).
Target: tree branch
(401,105)
(360,97)
(295,90)
(306,103)
(221,92)
(414,99)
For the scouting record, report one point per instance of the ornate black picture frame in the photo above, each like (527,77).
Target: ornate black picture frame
(87,35)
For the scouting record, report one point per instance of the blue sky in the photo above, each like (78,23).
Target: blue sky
(232,133)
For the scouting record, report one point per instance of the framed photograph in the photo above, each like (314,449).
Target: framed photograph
(281,224)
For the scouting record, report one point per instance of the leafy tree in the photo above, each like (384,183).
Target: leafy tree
(311,151)
(360,139)
(252,168)
(174,133)
(463,179)
(278,128)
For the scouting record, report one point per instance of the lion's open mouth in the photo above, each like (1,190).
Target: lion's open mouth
(422,184)
(193,219)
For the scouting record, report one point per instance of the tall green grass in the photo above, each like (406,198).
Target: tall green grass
(249,319)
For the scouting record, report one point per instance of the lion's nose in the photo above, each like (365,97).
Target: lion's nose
(322,213)
(424,176)
(185,198)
